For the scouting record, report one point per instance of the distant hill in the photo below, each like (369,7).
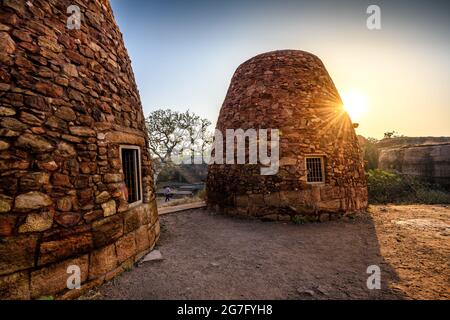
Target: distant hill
(411,141)
(424,157)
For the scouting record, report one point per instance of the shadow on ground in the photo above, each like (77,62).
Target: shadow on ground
(209,256)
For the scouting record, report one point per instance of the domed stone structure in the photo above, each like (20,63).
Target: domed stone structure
(76,186)
(321,172)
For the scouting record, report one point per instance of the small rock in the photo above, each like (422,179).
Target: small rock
(70,70)
(65,113)
(102,197)
(5,203)
(37,222)
(50,165)
(303,291)
(34,142)
(64,204)
(82,131)
(4,145)
(323,290)
(113,177)
(32,200)
(7,45)
(154,255)
(6,112)
(109,208)
(66,150)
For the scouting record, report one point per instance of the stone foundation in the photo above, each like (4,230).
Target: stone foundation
(314,204)
(107,249)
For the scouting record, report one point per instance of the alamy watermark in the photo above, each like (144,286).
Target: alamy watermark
(240,145)
(74,20)
(373,22)
(374,280)
(74,280)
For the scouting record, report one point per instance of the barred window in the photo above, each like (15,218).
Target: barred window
(131,166)
(315,169)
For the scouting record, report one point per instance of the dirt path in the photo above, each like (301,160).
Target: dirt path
(415,239)
(210,256)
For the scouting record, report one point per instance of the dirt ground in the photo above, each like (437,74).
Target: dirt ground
(208,256)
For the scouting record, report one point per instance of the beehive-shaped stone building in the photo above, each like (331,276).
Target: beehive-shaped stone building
(321,171)
(76,184)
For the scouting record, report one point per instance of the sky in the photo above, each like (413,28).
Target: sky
(184,54)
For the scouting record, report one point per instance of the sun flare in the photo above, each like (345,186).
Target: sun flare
(355,104)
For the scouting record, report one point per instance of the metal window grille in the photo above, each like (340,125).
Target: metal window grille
(314,168)
(132,171)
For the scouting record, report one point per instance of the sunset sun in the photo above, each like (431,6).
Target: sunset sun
(355,104)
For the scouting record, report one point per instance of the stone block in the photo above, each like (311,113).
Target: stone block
(15,286)
(102,261)
(55,250)
(241,201)
(67,219)
(142,239)
(126,247)
(131,220)
(152,234)
(5,203)
(109,208)
(153,210)
(330,205)
(143,212)
(31,201)
(272,199)
(7,223)
(107,230)
(53,279)
(123,137)
(37,222)
(17,253)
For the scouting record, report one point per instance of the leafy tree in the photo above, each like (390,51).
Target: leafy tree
(389,134)
(371,153)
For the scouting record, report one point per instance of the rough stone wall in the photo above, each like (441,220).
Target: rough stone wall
(430,162)
(291,91)
(68,100)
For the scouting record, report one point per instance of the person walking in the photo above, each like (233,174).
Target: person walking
(167,193)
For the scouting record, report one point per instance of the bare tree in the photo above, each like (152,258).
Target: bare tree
(206,136)
(170,131)
(191,122)
(165,133)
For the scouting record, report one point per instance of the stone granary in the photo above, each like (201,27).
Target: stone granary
(321,171)
(76,185)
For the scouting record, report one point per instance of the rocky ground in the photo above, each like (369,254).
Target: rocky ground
(209,256)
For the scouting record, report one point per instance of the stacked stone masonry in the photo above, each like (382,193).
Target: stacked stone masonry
(290,91)
(68,101)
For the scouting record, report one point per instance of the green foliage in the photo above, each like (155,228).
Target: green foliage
(202,194)
(299,219)
(387,187)
(46,298)
(371,154)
